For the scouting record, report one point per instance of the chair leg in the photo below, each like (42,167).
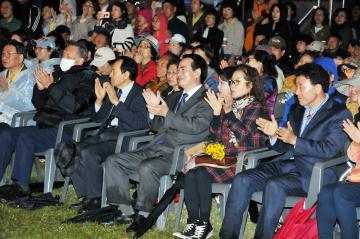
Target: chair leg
(165,184)
(38,171)
(243,224)
(103,191)
(179,210)
(65,190)
(50,168)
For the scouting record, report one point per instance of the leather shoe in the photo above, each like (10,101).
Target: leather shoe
(119,219)
(79,205)
(138,220)
(90,204)
(13,193)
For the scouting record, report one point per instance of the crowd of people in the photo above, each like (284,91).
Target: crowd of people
(193,77)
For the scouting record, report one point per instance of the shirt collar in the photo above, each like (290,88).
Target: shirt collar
(314,110)
(192,91)
(126,90)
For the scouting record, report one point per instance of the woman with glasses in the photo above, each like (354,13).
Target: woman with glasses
(84,23)
(234,126)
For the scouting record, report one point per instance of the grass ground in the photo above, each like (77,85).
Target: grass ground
(46,223)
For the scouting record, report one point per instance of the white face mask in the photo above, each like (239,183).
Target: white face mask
(66,64)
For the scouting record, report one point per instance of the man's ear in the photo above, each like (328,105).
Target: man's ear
(198,74)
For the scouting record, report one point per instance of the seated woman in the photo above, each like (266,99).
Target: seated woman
(338,201)
(234,126)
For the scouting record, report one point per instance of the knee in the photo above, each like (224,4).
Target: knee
(146,169)
(241,180)
(273,187)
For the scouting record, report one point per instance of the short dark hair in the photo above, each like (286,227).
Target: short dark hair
(334,34)
(20,48)
(171,2)
(316,74)
(226,73)
(198,63)
(268,62)
(173,61)
(128,65)
(107,37)
(82,50)
(209,52)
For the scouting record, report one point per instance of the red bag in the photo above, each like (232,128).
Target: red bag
(299,224)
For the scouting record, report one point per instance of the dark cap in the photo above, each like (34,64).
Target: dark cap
(277,42)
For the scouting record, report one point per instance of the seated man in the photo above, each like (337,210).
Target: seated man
(119,110)
(313,134)
(184,120)
(64,95)
(16,83)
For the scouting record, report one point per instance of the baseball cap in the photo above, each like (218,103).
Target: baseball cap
(152,40)
(178,38)
(328,64)
(317,46)
(102,56)
(277,42)
(45,42)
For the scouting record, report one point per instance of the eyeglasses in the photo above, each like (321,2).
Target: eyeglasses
(8,54)
(236,81)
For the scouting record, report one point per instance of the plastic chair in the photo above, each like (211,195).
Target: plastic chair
(50,166)
(165,181)
(217,188)
(315,185)
(93,126)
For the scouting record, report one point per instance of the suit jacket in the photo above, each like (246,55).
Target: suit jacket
(190,124)
(132,114)
(322,139)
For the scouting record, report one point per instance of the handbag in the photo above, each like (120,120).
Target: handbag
(299,224)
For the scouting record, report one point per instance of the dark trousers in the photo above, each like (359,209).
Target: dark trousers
(25,141)
(338,202)
(277,180)
(197,192)
(149,163)
(88,176)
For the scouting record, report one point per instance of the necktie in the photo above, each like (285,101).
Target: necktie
(181,102)
(110,116)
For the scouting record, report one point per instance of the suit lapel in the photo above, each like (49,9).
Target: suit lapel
(192,100)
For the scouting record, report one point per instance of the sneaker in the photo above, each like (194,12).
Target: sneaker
(188,231)
(203,230)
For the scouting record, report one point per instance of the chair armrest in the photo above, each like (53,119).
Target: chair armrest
(23,117)
(79,128)
(178,158)
(122,136)
(317,177)
(241,157)
(254,158)
(135,141)
(65,123)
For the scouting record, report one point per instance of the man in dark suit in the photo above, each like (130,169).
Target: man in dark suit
(120,108)
(313,134)
(66,94)
(182,121)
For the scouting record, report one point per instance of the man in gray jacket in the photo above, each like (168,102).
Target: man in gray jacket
(184,120)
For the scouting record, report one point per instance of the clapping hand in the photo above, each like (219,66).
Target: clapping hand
(161,109)
(151,98)
(110,90)
(43,79)
(268,127)
(215,101)
(100,92)
(287,134)
(352,130)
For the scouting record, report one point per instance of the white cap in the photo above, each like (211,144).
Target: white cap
(316,46)
(178,38)
(102,56)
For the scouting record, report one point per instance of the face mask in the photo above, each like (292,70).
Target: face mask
(66,64)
